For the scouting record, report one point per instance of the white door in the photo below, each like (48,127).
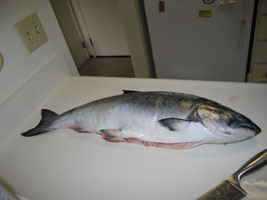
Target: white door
(104,26)
(70,30)
(187,45)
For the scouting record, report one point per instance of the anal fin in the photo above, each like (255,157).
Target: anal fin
(110,132)
(111,135)
(114,139)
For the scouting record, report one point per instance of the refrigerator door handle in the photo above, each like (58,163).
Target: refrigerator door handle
(243,23)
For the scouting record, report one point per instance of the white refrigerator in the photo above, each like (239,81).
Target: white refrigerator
(200,39)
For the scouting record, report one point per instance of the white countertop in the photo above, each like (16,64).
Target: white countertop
(69,165)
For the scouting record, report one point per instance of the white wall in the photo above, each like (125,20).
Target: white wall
(104,25)
(259,57)
(19,64)
(132,24)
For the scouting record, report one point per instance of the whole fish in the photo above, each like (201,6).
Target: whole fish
(159,119)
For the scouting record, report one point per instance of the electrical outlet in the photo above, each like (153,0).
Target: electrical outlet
(31,32)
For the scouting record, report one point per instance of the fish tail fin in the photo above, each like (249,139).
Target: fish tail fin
(47,119)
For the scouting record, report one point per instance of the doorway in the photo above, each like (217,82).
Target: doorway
(70,30)
(108,67)
(103,25)
(103,37)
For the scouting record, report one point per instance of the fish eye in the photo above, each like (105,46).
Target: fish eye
(239,117)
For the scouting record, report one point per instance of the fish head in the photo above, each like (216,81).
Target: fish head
(227,124)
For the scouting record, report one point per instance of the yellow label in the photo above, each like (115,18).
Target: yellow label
(204,13)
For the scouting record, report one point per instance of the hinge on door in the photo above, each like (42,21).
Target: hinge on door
(91,41)
(83,44)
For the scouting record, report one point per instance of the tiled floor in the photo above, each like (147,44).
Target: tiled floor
(108,66)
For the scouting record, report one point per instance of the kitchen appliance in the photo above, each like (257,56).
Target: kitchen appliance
(200,39)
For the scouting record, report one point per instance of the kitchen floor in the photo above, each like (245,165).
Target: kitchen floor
(108,67)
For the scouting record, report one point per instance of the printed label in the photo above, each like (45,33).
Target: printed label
(205,13)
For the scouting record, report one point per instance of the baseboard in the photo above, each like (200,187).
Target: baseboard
(119,56)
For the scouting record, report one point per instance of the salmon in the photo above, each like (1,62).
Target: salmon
(158,119)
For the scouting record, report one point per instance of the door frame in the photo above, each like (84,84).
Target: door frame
(81,26)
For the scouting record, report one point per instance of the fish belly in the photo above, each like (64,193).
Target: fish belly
(131,124)
(144,129)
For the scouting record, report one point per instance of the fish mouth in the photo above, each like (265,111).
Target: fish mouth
(250,126)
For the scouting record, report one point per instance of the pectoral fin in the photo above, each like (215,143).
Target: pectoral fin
(174,124)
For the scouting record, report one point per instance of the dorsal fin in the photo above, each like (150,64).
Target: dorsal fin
(129,91)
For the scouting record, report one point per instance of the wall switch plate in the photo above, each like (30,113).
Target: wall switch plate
(31,32)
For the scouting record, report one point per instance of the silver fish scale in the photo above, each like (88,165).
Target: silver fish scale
(168,101)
